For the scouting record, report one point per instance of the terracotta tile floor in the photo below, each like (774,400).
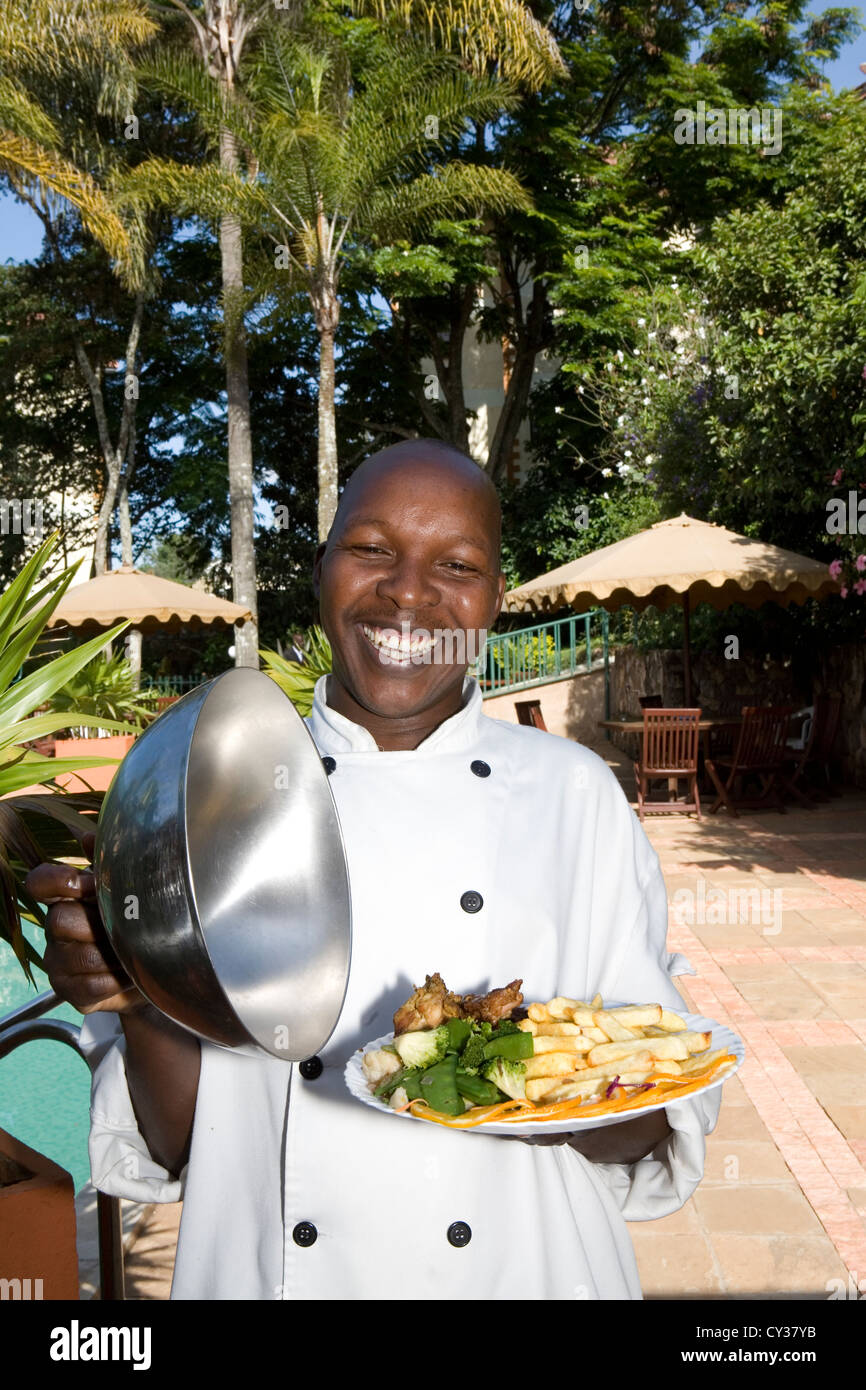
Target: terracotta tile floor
(781,1211)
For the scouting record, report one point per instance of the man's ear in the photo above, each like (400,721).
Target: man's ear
(317,567)
(500,595)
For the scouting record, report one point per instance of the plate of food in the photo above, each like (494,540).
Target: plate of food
(486,1064)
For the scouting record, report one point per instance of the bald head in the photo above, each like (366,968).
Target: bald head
(425,466)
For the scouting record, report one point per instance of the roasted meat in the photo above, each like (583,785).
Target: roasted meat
(433,1002)
(489,1008)
(429,1006)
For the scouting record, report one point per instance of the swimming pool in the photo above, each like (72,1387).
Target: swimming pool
(44,1086)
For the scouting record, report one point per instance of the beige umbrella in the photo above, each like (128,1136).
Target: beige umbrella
(149,603)
(677,561)
(145,600)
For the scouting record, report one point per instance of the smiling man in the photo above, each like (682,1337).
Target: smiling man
(479,849)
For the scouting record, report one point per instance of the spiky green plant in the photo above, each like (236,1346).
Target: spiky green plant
(298,680)
(48,825)
(104,688)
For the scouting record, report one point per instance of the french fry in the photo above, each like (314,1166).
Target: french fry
(552,1064)
(573,1090)
(701,1061)
(671,1022)
(583,1016)
(611,1027)
(636,1015)
(541,1085)
(557,1030)
(528,1025)
(538,1013)
(557,1043)
(639,1063)
(668,1067)
(561,1008)
(621,1051)
(695,1042)
(596,1002)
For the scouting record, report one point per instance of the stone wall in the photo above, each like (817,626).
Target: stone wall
(718,686)
(723,687)
(843,670)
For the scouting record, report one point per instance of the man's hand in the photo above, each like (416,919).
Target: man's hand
(622,1143)
(79,962)
(162,1059)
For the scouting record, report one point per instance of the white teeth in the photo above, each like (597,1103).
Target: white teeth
(396,644)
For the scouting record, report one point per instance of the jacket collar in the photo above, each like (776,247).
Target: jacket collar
(334,733)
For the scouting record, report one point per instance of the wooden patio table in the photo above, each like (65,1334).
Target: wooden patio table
(705,724)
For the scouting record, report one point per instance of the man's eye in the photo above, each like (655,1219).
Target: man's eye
(373,549)
(460,567)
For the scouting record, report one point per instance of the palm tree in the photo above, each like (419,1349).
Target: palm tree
(221,30)
(343,151)
(95,36)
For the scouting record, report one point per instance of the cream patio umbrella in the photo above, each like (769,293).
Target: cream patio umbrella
(680,561)
(149,603)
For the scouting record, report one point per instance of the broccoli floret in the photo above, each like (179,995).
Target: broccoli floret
(473,1053)
(422,1049)
(510,1077)
(504,1026)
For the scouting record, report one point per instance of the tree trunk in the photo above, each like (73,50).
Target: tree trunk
(326,308)
(112,457)
(240,448)
(531,334)
(328,468)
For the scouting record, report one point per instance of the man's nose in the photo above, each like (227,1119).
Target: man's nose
(409,585)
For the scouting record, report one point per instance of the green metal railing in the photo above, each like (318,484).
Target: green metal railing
(547,652)
(172,685)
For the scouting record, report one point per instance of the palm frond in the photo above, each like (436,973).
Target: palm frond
(401,129)
(455,190)
(202,190)
(502,31)
(44,36)
(29,164)
(20,113)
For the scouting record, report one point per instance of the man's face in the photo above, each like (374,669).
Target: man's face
(409,579)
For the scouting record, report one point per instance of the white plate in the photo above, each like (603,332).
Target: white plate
(722,1037)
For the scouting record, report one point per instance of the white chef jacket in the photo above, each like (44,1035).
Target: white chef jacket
(572,902)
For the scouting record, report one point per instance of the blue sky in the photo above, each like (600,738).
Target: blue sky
(21,230)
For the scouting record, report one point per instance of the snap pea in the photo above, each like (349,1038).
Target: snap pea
(439,1087)
(411,1082)
(476,1089)
(514,1047)
(458,1031)
(389,1084)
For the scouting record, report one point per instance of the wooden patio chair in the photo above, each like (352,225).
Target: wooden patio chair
(817,752)
(759,754)
(669,752)
(529,712)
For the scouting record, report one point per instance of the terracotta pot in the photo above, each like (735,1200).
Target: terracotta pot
(98,778)
(38,1259)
